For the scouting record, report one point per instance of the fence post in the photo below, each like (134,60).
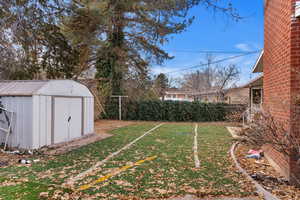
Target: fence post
(120,104)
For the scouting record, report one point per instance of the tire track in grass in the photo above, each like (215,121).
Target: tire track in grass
(72,180)
(216,166)
(167,175)
(195,148)
(120,170)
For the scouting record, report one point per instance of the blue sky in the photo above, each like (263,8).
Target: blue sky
(217,32)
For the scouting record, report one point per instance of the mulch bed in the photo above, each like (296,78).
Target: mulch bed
(266,175)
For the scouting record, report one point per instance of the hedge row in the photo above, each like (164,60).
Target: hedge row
(170,111)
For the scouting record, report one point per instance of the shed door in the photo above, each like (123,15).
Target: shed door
(67,119)
(75,130)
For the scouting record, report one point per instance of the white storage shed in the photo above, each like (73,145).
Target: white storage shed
(45,112)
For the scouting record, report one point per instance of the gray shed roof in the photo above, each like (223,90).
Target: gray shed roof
(43,87)
(20,87)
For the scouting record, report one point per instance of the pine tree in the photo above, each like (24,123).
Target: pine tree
(161,84)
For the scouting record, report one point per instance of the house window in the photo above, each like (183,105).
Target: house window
(174,96)
(257,96)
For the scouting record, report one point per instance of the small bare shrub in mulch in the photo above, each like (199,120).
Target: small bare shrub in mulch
(265,130)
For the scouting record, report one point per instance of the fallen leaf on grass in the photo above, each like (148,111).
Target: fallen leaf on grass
(191,190)
(123,183)
(44,195)
(161,191)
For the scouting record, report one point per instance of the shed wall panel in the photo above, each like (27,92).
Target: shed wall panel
(41,121)
(48,119)
(88,115)
(21,135)
(35,122)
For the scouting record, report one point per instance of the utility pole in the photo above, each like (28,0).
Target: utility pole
(120,104)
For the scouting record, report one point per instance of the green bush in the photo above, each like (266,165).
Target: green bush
(170,111)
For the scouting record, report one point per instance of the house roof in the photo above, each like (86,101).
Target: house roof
(178,91)
(43,87)
(214,90)
(211,91)
(258,67)
(235,89)
(258,81)
(217,90)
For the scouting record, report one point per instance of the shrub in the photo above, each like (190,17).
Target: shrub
(170,111)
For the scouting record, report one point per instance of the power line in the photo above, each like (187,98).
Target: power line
(215,62)
(210,51)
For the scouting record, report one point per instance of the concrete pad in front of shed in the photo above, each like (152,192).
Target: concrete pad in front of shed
(75,144)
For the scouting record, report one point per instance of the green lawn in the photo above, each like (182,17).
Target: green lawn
(172,173)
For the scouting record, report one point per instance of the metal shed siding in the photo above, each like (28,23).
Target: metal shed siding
(41,121)
(22,125)
(88,115)
(33,123)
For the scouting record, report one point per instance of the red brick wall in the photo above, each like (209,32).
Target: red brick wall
(295,90)
(281,82)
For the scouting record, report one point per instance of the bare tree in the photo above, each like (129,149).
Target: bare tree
(212,77)
(226,76)
(196,81)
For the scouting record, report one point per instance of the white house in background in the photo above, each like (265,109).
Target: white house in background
(45,112)
(174,94)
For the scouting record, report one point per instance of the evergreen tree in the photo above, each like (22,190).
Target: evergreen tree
(161,84)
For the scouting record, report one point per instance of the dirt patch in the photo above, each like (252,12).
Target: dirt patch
(265,174)
(75,144)
(104,126)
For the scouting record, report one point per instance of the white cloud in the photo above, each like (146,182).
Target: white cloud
(244,47)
